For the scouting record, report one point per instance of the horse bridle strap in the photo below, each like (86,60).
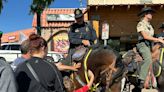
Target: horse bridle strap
(85,65)
(111,67)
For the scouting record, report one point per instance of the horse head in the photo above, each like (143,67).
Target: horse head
(102,63)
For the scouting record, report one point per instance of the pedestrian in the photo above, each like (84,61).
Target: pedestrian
(7,79)
(25,54)
(36,74)
(145,39)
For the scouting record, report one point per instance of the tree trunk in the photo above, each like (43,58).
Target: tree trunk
(38,23)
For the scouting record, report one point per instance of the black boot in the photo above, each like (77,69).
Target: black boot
(141,83)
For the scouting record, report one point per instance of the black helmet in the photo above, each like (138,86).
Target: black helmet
(78,13)
(162,26)
(146,10)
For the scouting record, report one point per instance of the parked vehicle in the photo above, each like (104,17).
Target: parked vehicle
(10,51)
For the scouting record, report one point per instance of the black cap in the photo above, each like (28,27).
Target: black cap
(146,10)
(162,26)
(78,13)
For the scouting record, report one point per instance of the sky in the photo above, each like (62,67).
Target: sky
(15,14)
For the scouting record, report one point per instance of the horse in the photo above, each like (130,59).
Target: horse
(102,63)
(133,55)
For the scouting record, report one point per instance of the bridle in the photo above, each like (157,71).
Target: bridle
(108,72)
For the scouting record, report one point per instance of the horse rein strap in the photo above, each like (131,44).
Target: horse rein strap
(85,65)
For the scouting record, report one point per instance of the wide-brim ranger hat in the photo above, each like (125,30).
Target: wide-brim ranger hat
(78,13)
(146,10)
(162,26)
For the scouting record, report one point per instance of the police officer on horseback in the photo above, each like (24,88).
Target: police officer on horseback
(146,32)
(145,39)
(161,28)
(81,34)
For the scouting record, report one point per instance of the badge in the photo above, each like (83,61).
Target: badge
(77,30)
(87,29)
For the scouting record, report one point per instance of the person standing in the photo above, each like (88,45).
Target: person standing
(36,74)
(145,39)
(7,79)
(25,54)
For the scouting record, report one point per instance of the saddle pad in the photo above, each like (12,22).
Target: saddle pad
(79,53)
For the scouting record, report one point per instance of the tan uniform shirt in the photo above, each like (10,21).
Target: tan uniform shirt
(145,27)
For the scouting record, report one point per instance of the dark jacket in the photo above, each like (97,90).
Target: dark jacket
(50,78)
(81,32)
(7,79)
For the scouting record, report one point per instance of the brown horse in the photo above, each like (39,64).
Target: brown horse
(102,63)
(159,66)
(133,55)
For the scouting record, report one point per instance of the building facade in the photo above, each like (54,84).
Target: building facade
(121,15)
(17,36)
(54,20)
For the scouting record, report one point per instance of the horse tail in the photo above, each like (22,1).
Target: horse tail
(55,34)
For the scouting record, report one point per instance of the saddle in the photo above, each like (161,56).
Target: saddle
(79,53)
(132,60)
(132,55)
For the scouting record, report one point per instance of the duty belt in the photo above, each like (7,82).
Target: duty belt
(147,42)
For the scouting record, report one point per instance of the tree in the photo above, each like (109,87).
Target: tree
(1,4)
(37,8)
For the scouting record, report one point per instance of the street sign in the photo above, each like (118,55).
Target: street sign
(105,31)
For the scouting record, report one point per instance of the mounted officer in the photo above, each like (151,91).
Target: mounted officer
(81,34)
(145,39)
(161,28)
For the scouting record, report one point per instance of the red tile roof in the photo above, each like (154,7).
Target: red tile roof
(57,24)
(14,36)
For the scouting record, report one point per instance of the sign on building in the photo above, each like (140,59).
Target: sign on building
(60,17)
(105,31)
